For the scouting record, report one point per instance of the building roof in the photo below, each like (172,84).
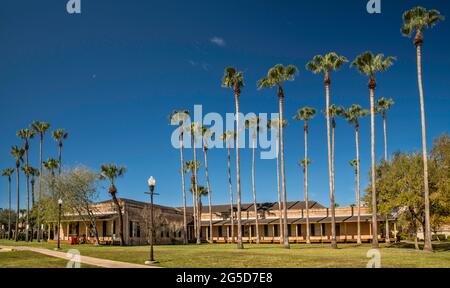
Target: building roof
(267,206)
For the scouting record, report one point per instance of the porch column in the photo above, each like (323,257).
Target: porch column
(370,230)
(68,230)
(395,232)
(228,233)
(345,229)
(250,234)
(273,232)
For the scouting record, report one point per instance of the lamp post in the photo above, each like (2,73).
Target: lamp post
(151,185)
(59,221)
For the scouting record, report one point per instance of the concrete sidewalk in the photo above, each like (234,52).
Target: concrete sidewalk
(83,259)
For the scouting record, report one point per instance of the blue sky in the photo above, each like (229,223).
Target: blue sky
(111,75)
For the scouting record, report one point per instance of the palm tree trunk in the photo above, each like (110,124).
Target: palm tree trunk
(119,210)
(330,167)
(279,192)
(9,207)
(60,157)
(40,189)
(387,239)
(199,227)
(194,204)
(240,245)
(358,185)
(205,150)
(185,239)
(27,176)
(254,191)
(308,240)
(427,233)
(283,176)
(18,204)
(374,192)
(231,194)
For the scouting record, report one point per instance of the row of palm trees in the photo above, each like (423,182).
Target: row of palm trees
(19,152)
(415,21)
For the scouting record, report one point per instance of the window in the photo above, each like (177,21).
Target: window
(220,231)
(266,230)
(323,229)
(138,230)
(275,230)
(162,234)
(289,228)
(130,229)
(313,230)
(114,226)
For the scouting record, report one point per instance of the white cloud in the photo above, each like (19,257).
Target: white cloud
(218,41)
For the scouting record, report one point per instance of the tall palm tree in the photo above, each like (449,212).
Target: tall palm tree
(193,167)
(207,133)
(333,113)
(228,137)
(51,165)
(417,20)
(112,172)
(274,125)
(382,106)
(235,80)
(59,135)
(180,117)
(352,115)
(40,128)
(254,125)
(17,153)
(7,172)
(26,169)
(369,64)
(305,114)
(26,135)
(195,131)
(325,64)
(276,76)
(33,172)
(201,191)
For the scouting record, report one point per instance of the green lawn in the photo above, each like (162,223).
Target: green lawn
(28,259)
(300,255)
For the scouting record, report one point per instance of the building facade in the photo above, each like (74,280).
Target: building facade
(169,224)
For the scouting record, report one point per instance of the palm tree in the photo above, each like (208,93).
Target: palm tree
(41,128)
(51,165)
(180,117)
(275,78)
(228,137)
(382,106)
(111,172)
(326,64)
(59,135)
(17,153)
(26,135)
(195,131)
(26,169)
(334,112)
(305,114)
(352,116)
(7,172)
(417,20)
(193,167)
(274,125)
(253,124)
(202,191)
(369,64)
(33,172)
(235,80)
(206,133)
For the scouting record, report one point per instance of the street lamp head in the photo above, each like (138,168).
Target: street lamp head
(151,181)
(60,201)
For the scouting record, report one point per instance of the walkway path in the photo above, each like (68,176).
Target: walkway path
(83,259)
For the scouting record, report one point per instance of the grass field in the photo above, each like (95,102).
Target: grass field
(227,256)
(28,259)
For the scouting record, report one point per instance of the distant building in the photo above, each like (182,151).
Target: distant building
(169,223)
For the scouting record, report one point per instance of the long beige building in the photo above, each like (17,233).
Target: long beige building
(169,224)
